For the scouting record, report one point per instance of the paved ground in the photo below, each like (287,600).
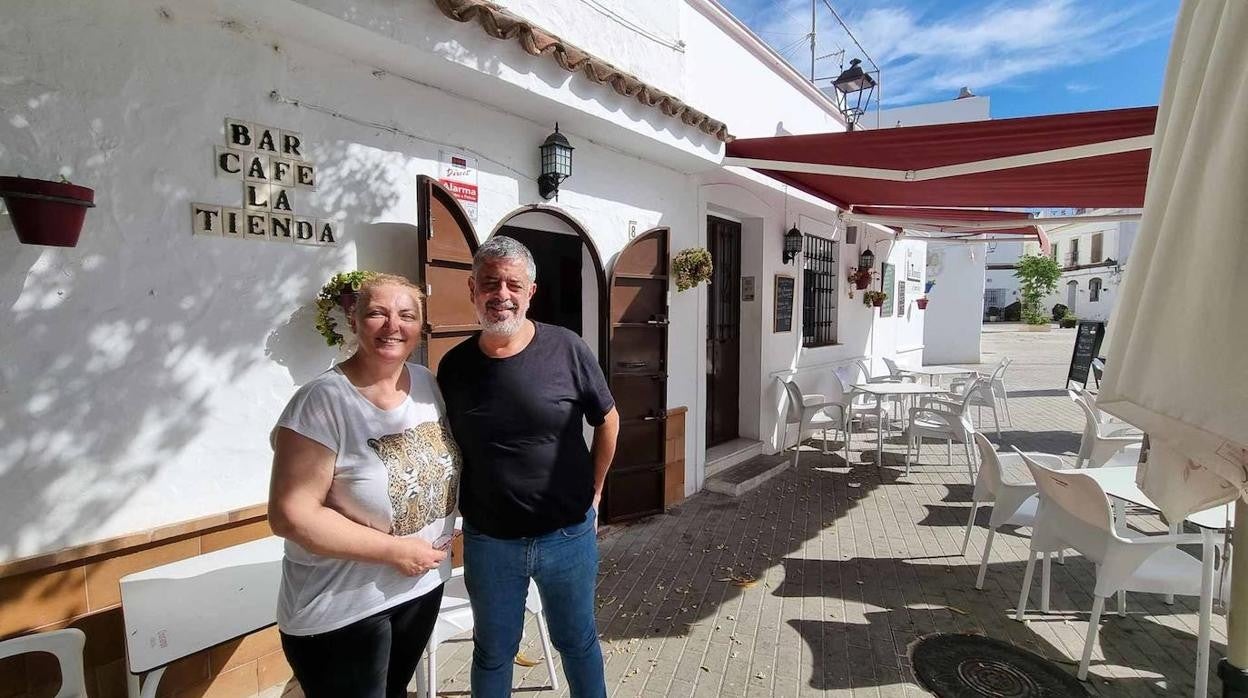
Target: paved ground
(819,580)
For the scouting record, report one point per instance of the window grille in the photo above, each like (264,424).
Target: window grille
(820,274)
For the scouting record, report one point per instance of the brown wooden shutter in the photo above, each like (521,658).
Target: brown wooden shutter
(447,243)
(637,371)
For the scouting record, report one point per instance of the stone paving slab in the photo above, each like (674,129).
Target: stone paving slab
(817,582)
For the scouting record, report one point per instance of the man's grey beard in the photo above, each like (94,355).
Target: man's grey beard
(503,328)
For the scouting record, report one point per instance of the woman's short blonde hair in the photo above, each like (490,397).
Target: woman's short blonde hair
(364,296)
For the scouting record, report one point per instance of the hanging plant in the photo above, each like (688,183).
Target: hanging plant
(874,298)
(691,267)
(339,291)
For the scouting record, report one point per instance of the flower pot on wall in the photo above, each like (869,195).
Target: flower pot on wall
(922,303)
(862,281)
(46,213)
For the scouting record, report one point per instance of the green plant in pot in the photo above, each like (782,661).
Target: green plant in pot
(1037,277)
(339,292)
(874,298)
(691,267)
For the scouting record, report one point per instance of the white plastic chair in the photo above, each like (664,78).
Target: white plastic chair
(1101,440)
(898,373)
(66,645)
(455,618)
(856,402)
(1075,513)
(809,412)
(977,394)
(996,380)
(935,423)
(1012,493)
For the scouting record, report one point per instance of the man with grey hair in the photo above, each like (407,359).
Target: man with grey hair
(517,394)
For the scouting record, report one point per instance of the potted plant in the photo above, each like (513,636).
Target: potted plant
(921,302)
(1068,321)
(44,212)
(860,278)
(339,292)
(691,267)
(874,298)
(1037,278)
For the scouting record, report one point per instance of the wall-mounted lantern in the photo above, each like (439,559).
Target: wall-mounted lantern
(556,164)
(866,260)
(792,244)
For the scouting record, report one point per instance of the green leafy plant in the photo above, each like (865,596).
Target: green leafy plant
(875,298)
(1068,321)
(691,267)
(339,291)
(1037,277)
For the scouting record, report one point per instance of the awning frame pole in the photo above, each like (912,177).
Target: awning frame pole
(1044,157)
(955,226)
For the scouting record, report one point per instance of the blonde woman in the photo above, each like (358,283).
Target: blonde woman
(364,489)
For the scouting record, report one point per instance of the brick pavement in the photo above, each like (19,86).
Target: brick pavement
(816,582)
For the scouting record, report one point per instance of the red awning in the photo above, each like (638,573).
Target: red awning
(1082,160)
(948,220)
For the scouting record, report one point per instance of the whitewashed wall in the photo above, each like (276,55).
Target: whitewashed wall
(143,369)
(955,311)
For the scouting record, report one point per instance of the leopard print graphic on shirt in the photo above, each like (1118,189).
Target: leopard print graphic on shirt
(423,466)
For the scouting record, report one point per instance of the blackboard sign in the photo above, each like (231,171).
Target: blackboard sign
(784,303)
(1088,338)
(888,282)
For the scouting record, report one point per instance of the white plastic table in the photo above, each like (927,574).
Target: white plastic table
(883,390)
(1119,483)
(175,610)
(934,372)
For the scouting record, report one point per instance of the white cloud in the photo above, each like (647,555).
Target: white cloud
(924,56)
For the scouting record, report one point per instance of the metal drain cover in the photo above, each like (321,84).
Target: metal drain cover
(971,666)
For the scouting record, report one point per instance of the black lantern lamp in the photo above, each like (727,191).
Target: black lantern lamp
(792,244)
(866,260)
(556,163)
(856,87)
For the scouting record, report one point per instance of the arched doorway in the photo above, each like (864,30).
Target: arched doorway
(571,280)
(1072,295)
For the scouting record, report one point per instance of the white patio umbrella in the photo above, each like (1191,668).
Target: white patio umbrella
(1178,362)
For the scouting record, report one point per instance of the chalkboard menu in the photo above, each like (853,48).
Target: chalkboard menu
(784,303)
(1088,338)
(888,284)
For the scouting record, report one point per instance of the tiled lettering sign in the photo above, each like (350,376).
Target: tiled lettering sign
(271,167)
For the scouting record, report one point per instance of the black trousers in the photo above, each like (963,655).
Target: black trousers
(371,658)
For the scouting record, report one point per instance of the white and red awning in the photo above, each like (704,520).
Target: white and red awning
(1081,160)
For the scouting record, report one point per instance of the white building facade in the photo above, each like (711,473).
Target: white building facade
(1093,257)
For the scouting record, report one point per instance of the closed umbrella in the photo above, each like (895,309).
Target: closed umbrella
(1178,363)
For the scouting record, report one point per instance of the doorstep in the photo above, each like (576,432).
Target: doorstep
(746,476)
(724,456)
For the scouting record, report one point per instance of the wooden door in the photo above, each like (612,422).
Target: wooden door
(723,332)
(447,243)
(637,371)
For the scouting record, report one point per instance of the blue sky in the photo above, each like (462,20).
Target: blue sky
(1030,56)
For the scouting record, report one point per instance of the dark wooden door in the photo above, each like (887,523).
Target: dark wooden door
(723,331)
(447,243)
(558,300)
(637,371)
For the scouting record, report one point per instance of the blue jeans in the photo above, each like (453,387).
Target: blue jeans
(564,563)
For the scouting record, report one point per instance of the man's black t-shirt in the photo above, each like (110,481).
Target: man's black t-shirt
(527,470)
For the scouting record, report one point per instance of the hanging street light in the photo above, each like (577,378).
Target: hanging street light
(792,244)
(856,87)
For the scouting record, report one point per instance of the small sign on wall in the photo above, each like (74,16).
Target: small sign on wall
(457,172)
(747,289)
(784,303)
(269,164)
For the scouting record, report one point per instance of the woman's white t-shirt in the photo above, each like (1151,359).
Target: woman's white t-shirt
(396,470)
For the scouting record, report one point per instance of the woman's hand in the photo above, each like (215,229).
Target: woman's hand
(414,556)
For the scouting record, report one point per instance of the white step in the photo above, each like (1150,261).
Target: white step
(746,476)
(724,456)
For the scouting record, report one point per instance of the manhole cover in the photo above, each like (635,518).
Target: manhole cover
(969,666)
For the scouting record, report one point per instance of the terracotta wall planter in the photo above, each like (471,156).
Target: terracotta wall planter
(44,212)
(922,303)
